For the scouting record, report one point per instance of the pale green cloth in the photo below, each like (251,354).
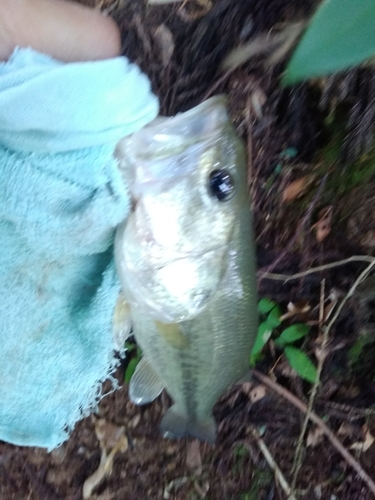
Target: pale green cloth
(61,199)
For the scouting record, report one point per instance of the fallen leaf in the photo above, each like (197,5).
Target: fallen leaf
(368,239)
(363,446)
(257,100)
(321,354)
(257,393)
(204,6)
(202,489)
(193,457)
(174,485)
(296,188)
(135,421)
(347,430)
(333,298)
(314,437)
(323,226)
(284,368)
(108,434)
(277,45)
(105,467)
(165,41)
(318,492)
(111,437)
(294,309)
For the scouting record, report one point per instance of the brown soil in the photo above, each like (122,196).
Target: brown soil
(272,121)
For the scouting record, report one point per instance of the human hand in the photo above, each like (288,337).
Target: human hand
(62,29)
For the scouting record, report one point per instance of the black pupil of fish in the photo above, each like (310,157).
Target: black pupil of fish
(221,184)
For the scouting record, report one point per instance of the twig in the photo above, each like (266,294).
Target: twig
(304,221)
(318,421)
(297,463)
(272,464)
(302,274)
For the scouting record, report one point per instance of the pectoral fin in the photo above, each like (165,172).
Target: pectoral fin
(172,334)
(177,425)
(121,323)
(145,385)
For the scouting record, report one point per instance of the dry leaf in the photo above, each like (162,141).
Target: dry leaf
(112,437)
(347,430)
(174,485)
(286,370)
(193,457)
(297,188)
(165,41)
(257,100)
(363,446)
(321,354)
(204,6)
(277,45)
(253,393)
(333,298)
(257,393)
(318,492)
(368,239)
(202,489)
(314,437)
(294,309)
(108,434)
(135,421)
(323,226)
(291,33)
(105,467)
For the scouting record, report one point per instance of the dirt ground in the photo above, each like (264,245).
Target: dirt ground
(311,172)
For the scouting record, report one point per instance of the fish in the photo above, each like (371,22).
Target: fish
(186,262)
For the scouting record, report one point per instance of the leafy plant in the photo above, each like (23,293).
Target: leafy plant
(131,347)
(340,35)
(271,314)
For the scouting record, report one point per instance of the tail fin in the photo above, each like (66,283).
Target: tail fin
(175,425)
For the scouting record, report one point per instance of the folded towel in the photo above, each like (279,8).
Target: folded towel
(61,198)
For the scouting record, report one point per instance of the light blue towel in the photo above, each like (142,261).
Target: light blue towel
(61,198)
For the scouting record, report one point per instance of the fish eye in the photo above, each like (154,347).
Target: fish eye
(221,184)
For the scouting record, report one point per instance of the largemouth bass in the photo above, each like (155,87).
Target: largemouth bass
(185,258)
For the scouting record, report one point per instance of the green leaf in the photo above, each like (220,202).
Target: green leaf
(301,363)
(130,369)
(356,351)
(291,334)
(263,335)
(130,346)
(341,34)
(265,305)
(273,319)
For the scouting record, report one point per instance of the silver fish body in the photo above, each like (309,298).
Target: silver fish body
(185,258)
